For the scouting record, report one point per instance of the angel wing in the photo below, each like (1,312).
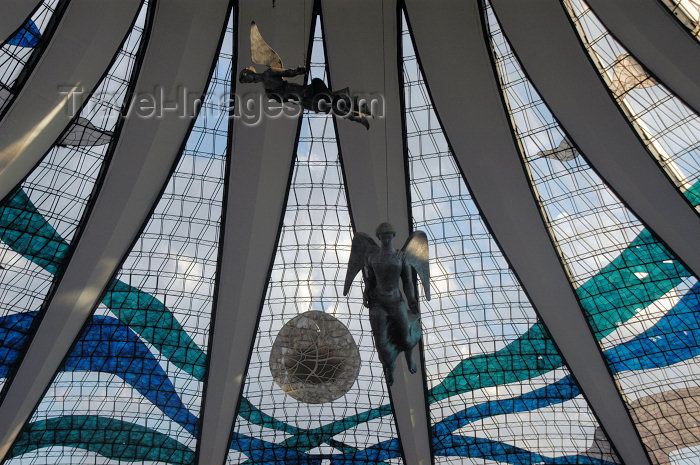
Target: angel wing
(260,52)
(362,246)
(416,254)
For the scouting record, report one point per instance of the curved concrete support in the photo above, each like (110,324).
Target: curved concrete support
(375,167)
(14,15)
(258,177)
(477,126)
(182,47)
(80,51)
(549,49)
(650,32)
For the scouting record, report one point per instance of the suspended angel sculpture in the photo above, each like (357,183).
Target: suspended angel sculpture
(316,96)
(395,325)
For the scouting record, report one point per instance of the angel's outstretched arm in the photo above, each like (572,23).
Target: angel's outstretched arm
(409,289)
(288,72)
(370,283)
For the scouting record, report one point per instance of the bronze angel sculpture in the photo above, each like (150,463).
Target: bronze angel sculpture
(316,96)
(395,325)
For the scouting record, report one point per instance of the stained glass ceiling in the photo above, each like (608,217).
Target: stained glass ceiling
(150,261)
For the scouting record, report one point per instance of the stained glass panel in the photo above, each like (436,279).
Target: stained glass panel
(687,12)
(666,125)
(499,389)
(130,389)
(40,218)
(640,301)
(17,50)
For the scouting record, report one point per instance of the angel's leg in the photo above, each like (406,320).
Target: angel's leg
(359,119)
(385,348)
(361,107)
(410,361)
(401,332)
(344,107)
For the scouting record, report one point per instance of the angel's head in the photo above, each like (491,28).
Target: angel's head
(248,75)
(385,233)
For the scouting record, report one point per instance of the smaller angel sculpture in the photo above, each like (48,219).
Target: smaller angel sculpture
(316,96)
(395,325)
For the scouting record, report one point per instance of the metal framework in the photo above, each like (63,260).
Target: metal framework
(132,184)
(148,263)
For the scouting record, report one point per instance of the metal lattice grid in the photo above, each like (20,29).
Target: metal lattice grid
(18,49)
(499,388)
(40,218)
(667,126)
(308,274)
(131,387)
(643,306)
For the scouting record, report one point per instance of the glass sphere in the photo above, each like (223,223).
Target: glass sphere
(314,358)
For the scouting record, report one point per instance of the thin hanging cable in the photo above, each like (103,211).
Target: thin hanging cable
(386,142)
